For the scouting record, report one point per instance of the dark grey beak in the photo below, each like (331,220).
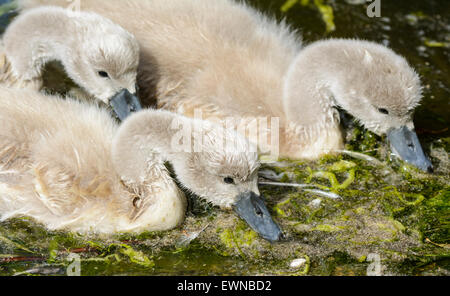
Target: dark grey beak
(406,145)
(252,209)
(124,103)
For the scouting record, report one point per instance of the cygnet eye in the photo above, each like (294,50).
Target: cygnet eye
(136,201)
(383,110)
(228,180)
(103,74)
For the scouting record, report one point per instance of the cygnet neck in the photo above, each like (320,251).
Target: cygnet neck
(37,37)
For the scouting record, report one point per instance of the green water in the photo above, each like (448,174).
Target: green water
(391,209)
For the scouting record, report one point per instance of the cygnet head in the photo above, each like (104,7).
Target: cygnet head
(216,164)
(99,55)
(108,63)
(377,87)
(222,168)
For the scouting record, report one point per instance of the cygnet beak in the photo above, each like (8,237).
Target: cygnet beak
(124,103)
(251,208)
(406,145)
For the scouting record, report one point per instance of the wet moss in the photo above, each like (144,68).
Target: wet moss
(240,238)
(372,214)
(363,141)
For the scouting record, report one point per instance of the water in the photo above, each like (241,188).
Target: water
(392,210)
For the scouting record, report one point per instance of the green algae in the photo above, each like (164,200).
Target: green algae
(432,43)
(328,228)
(417,198)
(335,186)
(327,15)
(15,245)
(238,238)
(288,5)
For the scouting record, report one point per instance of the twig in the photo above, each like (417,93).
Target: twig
(21,259)
(305,188)
(361,156)
(445,246)
(287,184)
(323,193)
